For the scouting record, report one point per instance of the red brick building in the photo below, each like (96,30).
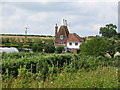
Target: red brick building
(71,41)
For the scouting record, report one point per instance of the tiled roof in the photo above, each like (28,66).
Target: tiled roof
(91,36)
(73,37)
(64,29)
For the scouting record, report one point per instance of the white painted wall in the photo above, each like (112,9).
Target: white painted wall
(73,45)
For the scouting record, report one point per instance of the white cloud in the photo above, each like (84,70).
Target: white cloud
(83,18)
(44,1)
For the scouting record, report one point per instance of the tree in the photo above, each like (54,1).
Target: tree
(96,46)
(108,31)
(49,49)
(59,49)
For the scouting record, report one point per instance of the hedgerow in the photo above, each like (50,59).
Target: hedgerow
(37,62)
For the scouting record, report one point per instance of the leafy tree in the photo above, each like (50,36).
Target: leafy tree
(96,46)
(49,49)
(59,49)
(108,31)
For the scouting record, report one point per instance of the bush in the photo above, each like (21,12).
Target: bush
(59,49)
(14,45)
(26,46)
(49,49)
(36,48)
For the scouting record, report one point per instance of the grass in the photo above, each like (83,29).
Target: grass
(103,77)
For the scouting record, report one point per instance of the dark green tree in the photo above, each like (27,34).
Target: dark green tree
(108,31)
(49,49)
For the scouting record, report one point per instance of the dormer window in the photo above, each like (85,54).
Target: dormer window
(61,36)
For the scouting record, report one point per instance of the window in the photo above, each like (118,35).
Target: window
(70,43)
(76,44)
(61,43)
(61,36)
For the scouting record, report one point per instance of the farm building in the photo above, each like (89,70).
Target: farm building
(71,41)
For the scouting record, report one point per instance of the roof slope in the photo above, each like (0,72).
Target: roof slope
(62,31)
(73,37)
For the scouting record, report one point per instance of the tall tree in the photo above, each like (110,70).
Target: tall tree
(108,31)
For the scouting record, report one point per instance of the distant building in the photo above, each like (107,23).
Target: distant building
(71,41)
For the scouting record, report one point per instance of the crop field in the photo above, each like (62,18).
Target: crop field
(42,70)
(20,37)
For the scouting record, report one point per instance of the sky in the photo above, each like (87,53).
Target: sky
(83,17)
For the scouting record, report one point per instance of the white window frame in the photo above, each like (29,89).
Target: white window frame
(61,36)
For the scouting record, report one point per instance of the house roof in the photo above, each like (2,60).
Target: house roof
(73,37)
(91,36)
(64,29)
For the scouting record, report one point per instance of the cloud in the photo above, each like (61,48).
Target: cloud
(84,18)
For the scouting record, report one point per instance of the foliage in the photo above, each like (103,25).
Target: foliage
(49,49)
(37,48)
(103,77)
(95,46)
(22,42)
(38,61)
(112,47)
(22,69)
(59,49)
(108,31)
(118,35)
(14,45)
(26,46)
(5,40)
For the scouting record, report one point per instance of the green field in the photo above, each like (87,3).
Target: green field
(41,70)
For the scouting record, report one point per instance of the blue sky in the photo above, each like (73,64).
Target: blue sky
(83,18)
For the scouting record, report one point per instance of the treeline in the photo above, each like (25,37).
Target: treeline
(23,43)
(26,35)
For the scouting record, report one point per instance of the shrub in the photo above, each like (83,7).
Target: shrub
(36,48)
(26,46)
(49,49)
(59,49)
(14,45)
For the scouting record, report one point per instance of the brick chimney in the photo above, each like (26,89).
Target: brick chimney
(56,29)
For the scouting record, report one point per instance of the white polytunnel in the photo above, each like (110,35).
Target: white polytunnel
(8,50)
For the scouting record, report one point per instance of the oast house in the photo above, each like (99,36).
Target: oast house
(70,41)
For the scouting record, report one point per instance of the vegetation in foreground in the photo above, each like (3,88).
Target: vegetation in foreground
(103,77)
(40,70)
